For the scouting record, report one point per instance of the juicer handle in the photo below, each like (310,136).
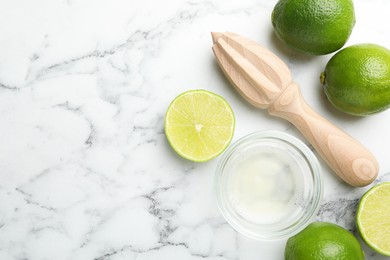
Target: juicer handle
(348,158)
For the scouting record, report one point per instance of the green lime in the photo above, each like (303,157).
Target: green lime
(373,218)
(323,241)
(357,79)
(314,26)
(199,125)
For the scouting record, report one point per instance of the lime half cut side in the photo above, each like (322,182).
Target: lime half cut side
(373,218)
(199,125)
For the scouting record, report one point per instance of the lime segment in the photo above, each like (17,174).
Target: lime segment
(199,125)
(373,218)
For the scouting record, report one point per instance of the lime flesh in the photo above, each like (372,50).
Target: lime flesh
(373,218)
(199,125)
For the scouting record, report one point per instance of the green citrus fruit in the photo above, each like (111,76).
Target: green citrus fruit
(357,79)
(373,218)
(314,26)
(199,125)
(323,241)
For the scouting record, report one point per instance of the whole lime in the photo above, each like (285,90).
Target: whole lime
(357,79)
(322,241)
(314,26)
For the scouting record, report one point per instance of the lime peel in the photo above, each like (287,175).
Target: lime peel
(316,27)
(356,79)
(323,240)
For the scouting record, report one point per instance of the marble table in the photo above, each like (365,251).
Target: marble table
(85,169)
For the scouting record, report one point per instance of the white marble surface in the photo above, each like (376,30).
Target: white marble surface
(85,169)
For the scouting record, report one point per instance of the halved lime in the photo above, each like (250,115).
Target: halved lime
(199,125)
(373,218)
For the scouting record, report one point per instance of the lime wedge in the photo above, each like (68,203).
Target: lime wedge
(373,218)
(199,125)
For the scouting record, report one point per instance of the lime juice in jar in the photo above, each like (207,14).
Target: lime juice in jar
(264,185)
(268,185)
